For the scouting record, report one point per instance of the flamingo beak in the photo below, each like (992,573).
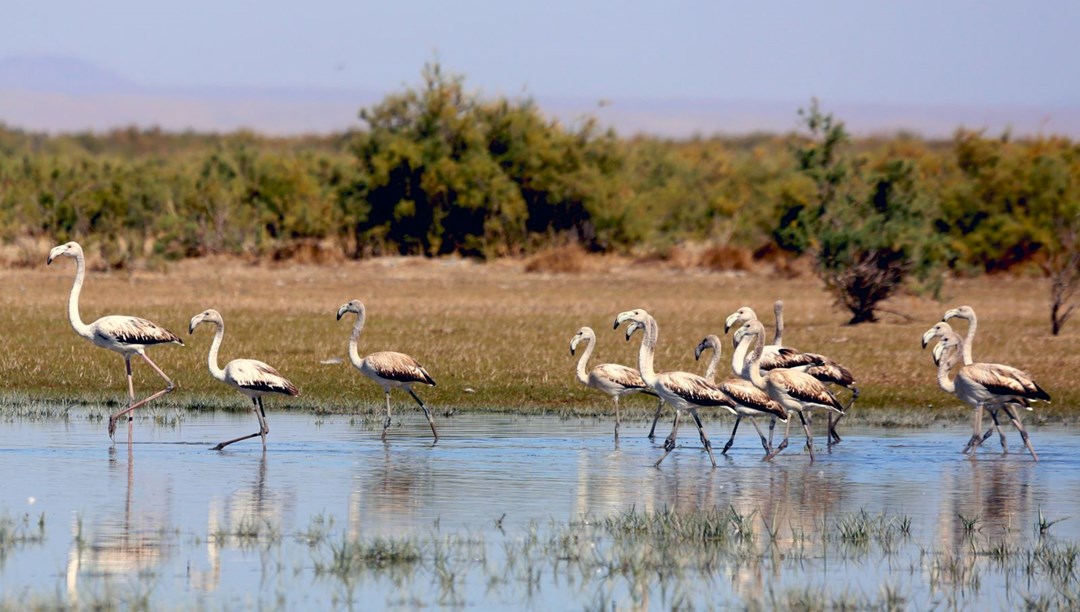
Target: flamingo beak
(732,319)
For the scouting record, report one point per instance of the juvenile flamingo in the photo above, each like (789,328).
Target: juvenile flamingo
(611,378)
(985,386)
(794,390)
(683,390)
(750,402)
(126,335)
(388,368)
(248,376)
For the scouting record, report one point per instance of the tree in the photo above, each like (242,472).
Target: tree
(443,171)
(867,225)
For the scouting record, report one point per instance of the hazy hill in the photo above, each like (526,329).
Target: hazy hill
(57,94)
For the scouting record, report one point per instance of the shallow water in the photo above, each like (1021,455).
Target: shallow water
(171,523)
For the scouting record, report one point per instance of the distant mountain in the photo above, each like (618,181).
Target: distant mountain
(56,94)
(60,75)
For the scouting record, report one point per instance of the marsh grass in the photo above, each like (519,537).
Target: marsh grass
(493,336)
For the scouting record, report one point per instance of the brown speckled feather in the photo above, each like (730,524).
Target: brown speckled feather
(398,366)
(787,358)
(620,375)
(134,330)
(744,392)
(1005,380)
(831,372)
(258,376)
(695,389)
(805,388)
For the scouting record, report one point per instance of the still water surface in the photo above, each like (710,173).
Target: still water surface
(162,521)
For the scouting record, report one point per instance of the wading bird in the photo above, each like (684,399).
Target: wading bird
(251,377)
(750,402)
(794,390)
(984,386)
(388,368)
(968,313)
(611,378)
(126,335)
(683,390)
(776,355)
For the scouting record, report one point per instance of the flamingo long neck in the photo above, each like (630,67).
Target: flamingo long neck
(947,362)
(778,338)
(740,360)
(212,357)
(582,374)
(969,340)
(354,339)
(714,362)
(647,351)
(754,364)
(73,300)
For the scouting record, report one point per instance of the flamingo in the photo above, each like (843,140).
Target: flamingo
(683,390)
(610,378)
(794,390)
(124,334)
(776,355)
(749,401)
(968,313)
(388,368)
(251,377)
(982,385)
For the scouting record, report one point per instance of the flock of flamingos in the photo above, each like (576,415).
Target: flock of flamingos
(770,380)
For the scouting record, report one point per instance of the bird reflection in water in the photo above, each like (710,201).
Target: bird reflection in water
(250,517)
(124,543)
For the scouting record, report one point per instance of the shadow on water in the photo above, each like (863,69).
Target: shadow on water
(169,522)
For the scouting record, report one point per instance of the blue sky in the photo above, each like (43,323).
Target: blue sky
(986,52)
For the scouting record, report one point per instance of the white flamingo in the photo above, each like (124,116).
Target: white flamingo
(611,378)
(985,386)
(388,368)
(794,390)
(683,390)
(968,314)
(126,335)
(251,377)
(750,402)
(776,355)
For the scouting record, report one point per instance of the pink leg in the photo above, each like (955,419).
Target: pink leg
(169,388)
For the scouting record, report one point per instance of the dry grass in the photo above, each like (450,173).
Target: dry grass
(566,259)
(493,336)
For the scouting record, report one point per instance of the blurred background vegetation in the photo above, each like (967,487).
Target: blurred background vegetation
(440,170)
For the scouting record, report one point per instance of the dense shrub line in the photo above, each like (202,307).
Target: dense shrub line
(442,170)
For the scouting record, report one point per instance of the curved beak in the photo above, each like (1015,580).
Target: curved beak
(194,322)
(53,254)
(619,320)
(950,314)
(939,350)
(927,336)
(634,326)
(573,343)
(341,311)
(732,319)
(700,348)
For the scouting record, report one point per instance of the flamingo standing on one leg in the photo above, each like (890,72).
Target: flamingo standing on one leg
(126,335)
(251,377)
(610,378)
(388,368)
